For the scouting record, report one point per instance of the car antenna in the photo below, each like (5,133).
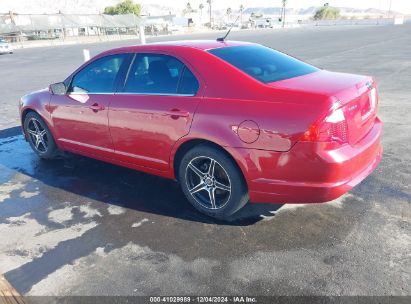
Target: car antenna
(222,39)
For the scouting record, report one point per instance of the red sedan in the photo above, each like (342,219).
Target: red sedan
(231,121)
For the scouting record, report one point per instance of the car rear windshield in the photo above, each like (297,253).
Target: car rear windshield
(263,63)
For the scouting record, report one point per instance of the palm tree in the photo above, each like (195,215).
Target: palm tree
(188,9)
(241,14)
(209,7)
(229,11)
(201,6)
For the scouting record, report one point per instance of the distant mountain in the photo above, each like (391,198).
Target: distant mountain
(277,10)
(158,10)
(310,10)
(97,6)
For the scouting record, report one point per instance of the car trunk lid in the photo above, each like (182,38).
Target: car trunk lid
(356,95)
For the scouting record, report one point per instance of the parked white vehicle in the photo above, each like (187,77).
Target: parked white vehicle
(5,47)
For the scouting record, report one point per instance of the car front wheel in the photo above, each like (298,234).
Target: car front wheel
(212,182)
(39,136)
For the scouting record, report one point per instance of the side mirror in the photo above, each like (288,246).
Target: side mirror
(58,88)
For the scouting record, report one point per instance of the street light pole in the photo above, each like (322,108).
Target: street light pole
(209,6)
(283,17)
(389,9)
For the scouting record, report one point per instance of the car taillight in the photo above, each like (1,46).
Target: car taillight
(333,128)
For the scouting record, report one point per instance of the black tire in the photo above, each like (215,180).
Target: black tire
(226,184)
(45,148)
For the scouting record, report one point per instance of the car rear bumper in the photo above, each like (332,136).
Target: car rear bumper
(312,172)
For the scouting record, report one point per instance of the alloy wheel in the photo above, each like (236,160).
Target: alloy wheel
(208,182)
(38,135)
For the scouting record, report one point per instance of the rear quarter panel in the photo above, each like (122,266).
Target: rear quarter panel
(276,124)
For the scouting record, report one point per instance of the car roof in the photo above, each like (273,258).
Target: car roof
(197,44)
(202,44)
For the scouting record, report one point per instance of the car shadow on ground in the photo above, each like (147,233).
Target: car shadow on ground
(100,181)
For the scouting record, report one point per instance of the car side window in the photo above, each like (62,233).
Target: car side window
(99,76)
(156,74)
(188,83)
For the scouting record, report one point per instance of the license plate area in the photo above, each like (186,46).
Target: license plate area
(368,107)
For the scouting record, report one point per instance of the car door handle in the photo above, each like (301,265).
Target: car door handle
(96,107)
(175,113)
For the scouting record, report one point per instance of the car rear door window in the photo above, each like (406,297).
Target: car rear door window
(188,83)
(99,76)
(158,74)
(263,63)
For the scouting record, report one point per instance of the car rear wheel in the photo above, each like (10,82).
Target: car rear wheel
(39,136)
(212,182)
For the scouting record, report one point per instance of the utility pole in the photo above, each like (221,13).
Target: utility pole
(209,7)
(201,6)
(389,9)
(241,15)
(283,15)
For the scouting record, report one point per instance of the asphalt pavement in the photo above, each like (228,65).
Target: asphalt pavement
(77,226)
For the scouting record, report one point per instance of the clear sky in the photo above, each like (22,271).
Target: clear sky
(402,6)
(42,6)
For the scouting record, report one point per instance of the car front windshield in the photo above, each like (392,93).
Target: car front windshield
(263,63)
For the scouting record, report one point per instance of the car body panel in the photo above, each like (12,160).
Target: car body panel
(144,128)
(313,172)
(321,82)
(77,126)
(272,132)
(37,101)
